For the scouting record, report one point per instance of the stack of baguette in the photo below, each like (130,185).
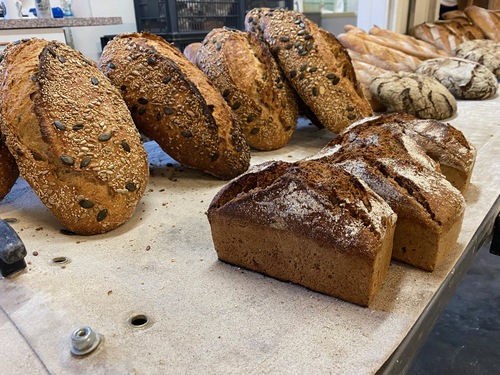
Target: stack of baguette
(330,222)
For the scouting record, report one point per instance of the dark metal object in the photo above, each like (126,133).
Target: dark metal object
(12,250)
(495,241)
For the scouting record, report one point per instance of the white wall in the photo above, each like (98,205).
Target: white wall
(88,39)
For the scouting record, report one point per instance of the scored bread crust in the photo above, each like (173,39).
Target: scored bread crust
(317,65)
(72,136)
(175,104)
(309,223)
(246,74)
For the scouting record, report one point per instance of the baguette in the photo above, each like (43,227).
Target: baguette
(175,104)
(72,136)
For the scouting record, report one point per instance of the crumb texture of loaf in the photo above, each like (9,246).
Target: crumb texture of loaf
(309,223)
(260,96)
(175,104)
(72,136)
(421,96)
(317,66)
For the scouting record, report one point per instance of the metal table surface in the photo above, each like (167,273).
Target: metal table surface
(207,317)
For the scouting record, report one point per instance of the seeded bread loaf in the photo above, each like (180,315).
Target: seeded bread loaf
(72,136)
(317,66)
(261,98)
(309,223)
(421,96)
(8,169)
(430,210)
(175,104)
(465,79)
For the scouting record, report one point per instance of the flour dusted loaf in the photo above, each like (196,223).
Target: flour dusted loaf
(446,145)
(309,223)
(421,96)
(175,104)
(317,66)
(465,79)
(72,136)
(245,72)
(483,51)
(191,51)
(429,209)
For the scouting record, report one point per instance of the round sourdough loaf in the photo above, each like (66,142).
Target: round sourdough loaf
(465,79)
(190,51)
(251,82)
(175,104)
(421,96)
(72,136)
(317,65)
(483,51)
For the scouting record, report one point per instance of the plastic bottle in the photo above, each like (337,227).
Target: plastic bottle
(66,8)
(43,9)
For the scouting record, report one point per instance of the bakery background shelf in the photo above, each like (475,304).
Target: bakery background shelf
(208,317)
(38,23)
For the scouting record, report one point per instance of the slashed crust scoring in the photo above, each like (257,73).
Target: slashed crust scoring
(175,104)
(316,64)
(72,136)
(251,82)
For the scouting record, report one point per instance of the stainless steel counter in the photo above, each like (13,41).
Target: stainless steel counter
(204,316)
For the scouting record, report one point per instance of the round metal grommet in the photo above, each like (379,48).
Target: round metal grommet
(84,340)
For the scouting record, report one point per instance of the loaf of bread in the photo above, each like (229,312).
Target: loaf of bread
(365,74)
(487,20)
(407,44)
(72,136)
(483,51)
(8,169)
(175,104)
(259,95)
(317,66)
(438,35)
(430,210)
(465,79)
(191,50)
(372,45)
(421,96)
(309,223)
(440,141)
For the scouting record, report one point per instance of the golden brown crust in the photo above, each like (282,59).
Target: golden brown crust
(317,66)
(309,223)
(72,136)
(488,21)
(174,103)
(246,74)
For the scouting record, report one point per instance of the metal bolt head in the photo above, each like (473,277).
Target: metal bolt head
(84,340)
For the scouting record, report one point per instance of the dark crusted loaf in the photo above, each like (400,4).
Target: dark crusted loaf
(72,136)
(243,69)
(175,104)
(309,223)
(316,64)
